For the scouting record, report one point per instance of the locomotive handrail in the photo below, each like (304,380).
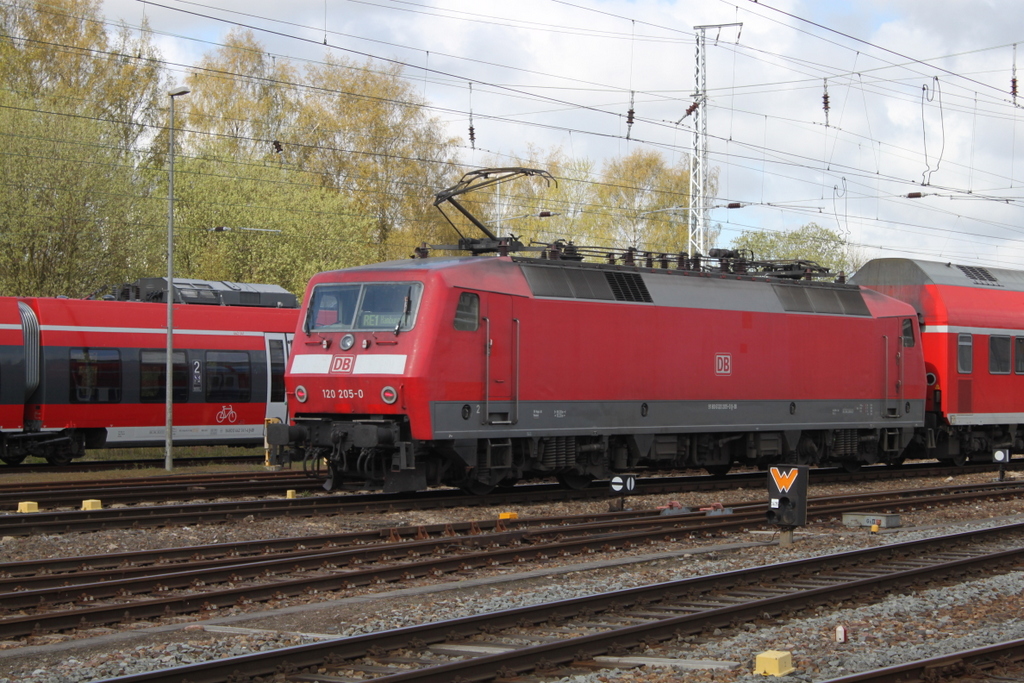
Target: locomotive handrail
(488,342)
(515,386)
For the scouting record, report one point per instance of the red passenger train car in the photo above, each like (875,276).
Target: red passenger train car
(972,323)
(80,374)
(12,367)
(478,371)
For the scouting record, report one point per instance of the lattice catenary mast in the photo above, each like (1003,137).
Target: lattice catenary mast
(699,162)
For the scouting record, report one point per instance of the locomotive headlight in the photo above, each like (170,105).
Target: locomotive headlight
(300,394)
(347,341)
(388,395)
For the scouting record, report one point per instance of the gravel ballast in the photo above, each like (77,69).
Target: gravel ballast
(899,629)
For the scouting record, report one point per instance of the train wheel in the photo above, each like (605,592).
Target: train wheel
(574,481)
(718,470)
(64,453)
(850,466)
(60,457)
(13,459)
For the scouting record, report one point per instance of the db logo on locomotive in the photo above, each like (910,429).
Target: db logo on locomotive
(343,364)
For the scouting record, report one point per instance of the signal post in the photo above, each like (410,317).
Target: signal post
(787,499)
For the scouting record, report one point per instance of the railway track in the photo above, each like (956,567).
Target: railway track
(560,638)
(983,664)
(256,458)
(133,490)
(85,592)
(271,486)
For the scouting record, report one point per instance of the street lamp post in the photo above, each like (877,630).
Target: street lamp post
(169,371)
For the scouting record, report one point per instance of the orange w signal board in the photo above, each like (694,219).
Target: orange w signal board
(787,495)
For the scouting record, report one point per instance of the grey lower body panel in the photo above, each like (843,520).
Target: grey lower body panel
(509,419)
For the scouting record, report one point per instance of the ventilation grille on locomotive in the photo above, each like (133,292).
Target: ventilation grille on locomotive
(978,274)
(628,287)
(586,283)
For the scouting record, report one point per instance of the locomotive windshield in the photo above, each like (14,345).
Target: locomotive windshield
(364,306)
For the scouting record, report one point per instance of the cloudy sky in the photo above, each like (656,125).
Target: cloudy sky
(919,97)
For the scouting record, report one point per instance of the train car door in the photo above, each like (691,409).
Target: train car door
(893,344)
(501,354)
(278,345)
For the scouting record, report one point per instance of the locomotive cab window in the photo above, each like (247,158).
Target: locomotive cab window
(467,314)
(95,375)
(907,334)
(965,354)
(153,376)
(228,376)
(363,306)
(999,355)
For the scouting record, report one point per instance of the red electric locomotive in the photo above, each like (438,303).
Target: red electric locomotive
(972,324)
(477,371)
(92,373)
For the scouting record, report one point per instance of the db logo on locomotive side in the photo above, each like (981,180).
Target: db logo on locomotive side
(343,364)
(723,363)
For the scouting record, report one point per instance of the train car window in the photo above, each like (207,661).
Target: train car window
(387,306)
(276,371)
(907,335)
(333,306)
(153,376)
(467,314)
(95,375)
(999,355)
(1018,343)
(965,354)
(228,376)
(364,306)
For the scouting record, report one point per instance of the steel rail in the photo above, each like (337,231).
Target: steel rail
(446,555)
(953,665)
(156,489)
(138,463)
(861,573)
(155,480)
(135,493)
(742,514)
(159,515)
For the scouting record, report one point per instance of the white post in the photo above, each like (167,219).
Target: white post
(169,368)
